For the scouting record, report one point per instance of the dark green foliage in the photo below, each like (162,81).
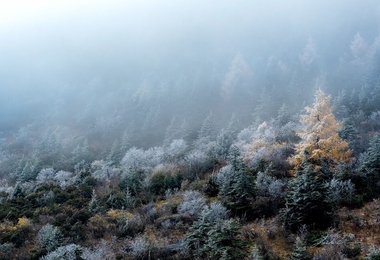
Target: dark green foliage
(14,208)
(212,188)
(352,251)
(348,132)
(162,182)
(300,251)
(116,200)
(77,233)
(370,160)
(238,192)
(132,181)
(236,186)
(216,240)
(16,236)
(314,237)
(373,254)
(80,216)
(368,177)
(305,201)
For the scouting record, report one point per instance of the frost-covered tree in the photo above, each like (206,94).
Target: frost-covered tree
(369,167)
(175,150)
(255,254)
(213,212)
(101,251)
(136,159)
(309,54)
(174,131)
(60,178)
(140,247)
(49,237)
(238,76)
(197,161)
(103,171)
(214,236)
(373,253)
(81,152)
(359,49)
(306,200)
(320,137)
(207,131)
(46,175)
(236,185)
(222,144)
(65,179)
(370,159)
(218,239)
(300,251)
(339,191)
(267,185)
(68,252)
(192,203)
(262,145)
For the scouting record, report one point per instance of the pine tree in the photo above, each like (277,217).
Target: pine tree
(300,251)
(207,131)
(236,185)
(370,160)
(320,137)
(223,143)
(370,167)
(306,200)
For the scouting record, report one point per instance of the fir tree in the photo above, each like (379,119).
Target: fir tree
(207,131)
(306,200)
(236,185)
(370,166)
(300,251)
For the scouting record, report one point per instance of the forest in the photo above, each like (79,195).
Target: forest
(193,130)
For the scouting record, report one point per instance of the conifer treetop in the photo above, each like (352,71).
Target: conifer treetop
(319,134)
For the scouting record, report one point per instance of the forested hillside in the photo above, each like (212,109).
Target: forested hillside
(138,133)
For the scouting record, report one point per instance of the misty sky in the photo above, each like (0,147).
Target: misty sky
(53,47)
(54,40)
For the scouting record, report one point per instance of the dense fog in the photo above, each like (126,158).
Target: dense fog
(98,70)
(189,129)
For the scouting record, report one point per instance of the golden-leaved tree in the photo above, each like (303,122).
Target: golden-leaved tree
(320,140)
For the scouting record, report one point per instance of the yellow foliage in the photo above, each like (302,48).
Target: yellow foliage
(98,220)
(116,214)
(7,226)
(23,222)
(320,138)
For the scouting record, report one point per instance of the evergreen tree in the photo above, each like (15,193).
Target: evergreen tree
(306,200)
(223,143)
(236,185)
(300,251)
(214,236)
(170,132)
(207,131)
(114,155)
(369,167)
(320,137)
(370,160)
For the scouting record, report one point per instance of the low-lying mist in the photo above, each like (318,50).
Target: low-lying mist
(96,70)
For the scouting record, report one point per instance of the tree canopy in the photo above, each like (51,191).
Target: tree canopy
(319,136)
